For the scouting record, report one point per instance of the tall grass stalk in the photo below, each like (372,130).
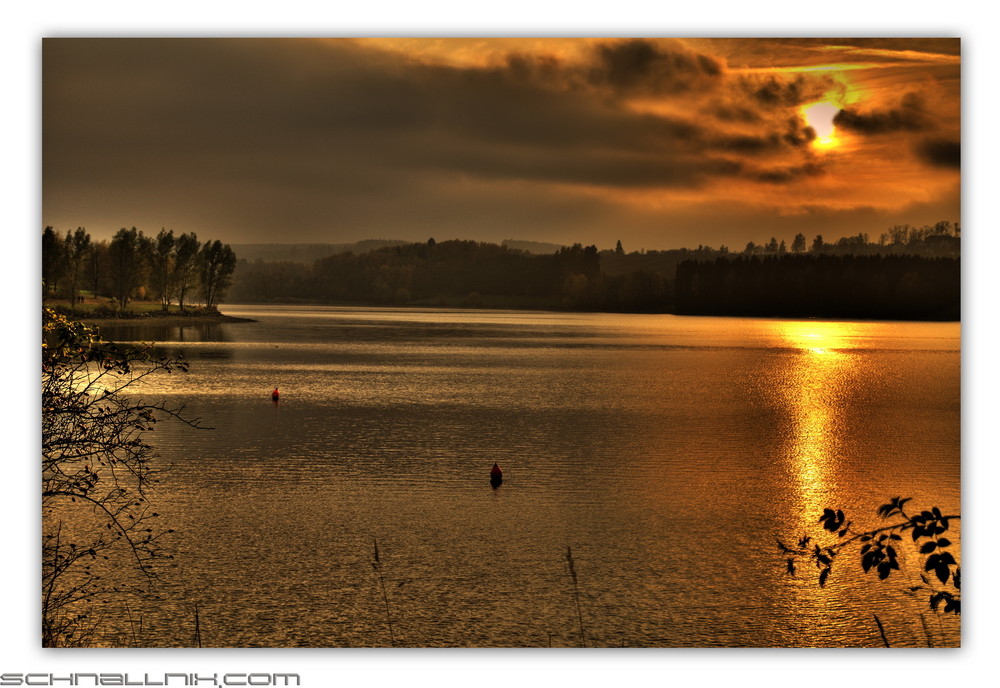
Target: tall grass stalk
(377,565)
(576,594)
(197,628)
(132,625)
(927,631)
(881,630)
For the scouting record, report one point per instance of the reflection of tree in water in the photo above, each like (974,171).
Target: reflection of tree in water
(182,353)
(163,332)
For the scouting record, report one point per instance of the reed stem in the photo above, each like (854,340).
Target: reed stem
(576,594)
(377,565)
(197,628)
(881,630)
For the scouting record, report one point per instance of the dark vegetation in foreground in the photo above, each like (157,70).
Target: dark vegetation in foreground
(100,540)
(879,551)
(909,274)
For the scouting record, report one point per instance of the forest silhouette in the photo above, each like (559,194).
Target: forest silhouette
(909,273)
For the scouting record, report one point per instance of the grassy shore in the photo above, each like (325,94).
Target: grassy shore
(99,310)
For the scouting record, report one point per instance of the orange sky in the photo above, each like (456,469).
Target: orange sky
(657,142)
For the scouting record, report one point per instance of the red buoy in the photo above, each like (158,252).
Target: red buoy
(496,476)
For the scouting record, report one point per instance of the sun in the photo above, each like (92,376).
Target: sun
(820,116)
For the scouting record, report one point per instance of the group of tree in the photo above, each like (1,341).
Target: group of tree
(940,240)
(880,287)
(452,271)
(135,266)
(909,273)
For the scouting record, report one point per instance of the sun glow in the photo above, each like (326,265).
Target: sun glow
(820,116)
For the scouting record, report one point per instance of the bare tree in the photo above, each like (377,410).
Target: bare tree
(97,472)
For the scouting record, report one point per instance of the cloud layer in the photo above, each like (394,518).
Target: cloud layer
(316,140)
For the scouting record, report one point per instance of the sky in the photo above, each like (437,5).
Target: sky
(656,142)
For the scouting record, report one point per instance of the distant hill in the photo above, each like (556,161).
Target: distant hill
(307,253)
(536,247)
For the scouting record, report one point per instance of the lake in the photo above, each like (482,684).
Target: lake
(667,453)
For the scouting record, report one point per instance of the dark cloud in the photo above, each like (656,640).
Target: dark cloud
(794,134)
(787,175)
(642,66)
(734,113)
(593,168)
(940,152)
(255,109)
(910,115)
(783,91)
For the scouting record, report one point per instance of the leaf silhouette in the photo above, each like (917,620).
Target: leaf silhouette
(943,573)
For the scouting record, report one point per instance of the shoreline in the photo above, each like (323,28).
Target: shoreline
(201,318)
(197,316)
(551,308)
(172,319)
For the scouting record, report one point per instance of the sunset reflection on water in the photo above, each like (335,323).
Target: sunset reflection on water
(668,452)
(818,377)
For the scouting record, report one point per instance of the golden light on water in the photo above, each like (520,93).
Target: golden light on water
(817,379)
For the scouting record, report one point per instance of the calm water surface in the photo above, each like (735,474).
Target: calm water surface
(668,452)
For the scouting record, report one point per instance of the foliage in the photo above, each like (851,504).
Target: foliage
(162,267)
(217,262)
(849,278)
(879,550)
(97,523)
(53,261)
(77,248)
(133,265)
(794,285)
(126,252)
(185,265)
(913,276)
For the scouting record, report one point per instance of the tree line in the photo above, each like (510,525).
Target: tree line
(941,240)
(133,266)
(456,272)
(907,273)
(879,287)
